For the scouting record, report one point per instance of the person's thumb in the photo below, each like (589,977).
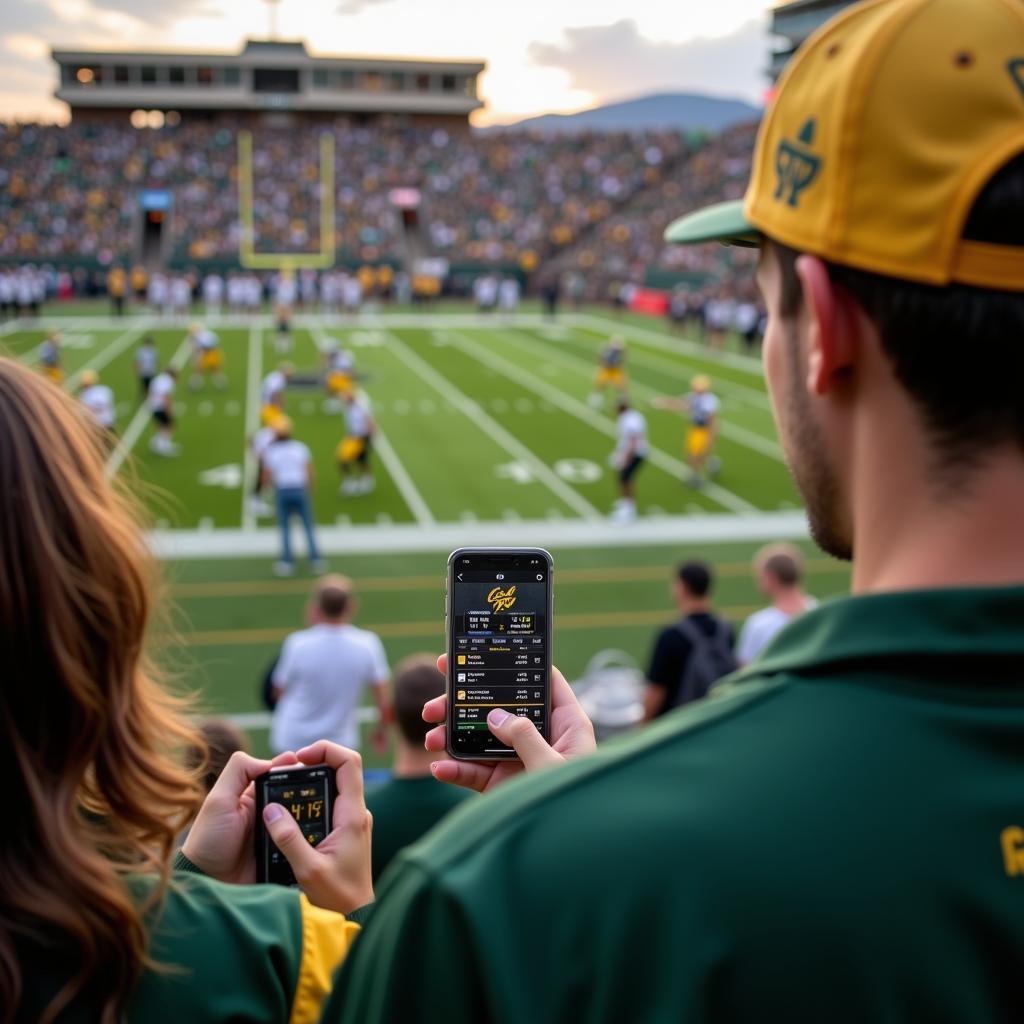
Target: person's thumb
(523,737)
(286,834)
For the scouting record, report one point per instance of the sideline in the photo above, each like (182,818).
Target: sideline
(648,531)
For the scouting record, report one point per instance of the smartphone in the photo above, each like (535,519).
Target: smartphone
(498,626)
(309,795)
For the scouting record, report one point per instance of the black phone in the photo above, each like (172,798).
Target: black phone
(308,794)
(498,611)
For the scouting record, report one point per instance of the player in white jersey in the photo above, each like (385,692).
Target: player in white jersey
(161,405)
(285,290)
(181,295)
(629,455)
(508,295)
(146,362)
(26,292)
(8,307)
(272,392)
(330,292)
(339,375)
(351,293)
(485,291)
(158,294)
(99,400)
(258,444)
(308,289)
(353,453)
(701,405)
(207,358)
(252,293)
(213,293)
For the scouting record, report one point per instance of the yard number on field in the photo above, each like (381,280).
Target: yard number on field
(229,476)
(572,471)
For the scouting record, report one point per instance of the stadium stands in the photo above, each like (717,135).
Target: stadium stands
(599,202)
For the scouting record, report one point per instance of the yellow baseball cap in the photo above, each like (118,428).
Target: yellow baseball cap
(89,378)
(886,126)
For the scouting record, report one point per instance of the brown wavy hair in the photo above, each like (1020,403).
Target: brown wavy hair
(94,790)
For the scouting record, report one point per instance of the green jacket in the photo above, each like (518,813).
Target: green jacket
(254,953)
(837,834)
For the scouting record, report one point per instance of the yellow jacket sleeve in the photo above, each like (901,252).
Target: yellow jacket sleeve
(326,940)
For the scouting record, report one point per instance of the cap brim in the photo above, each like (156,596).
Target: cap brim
(723,222)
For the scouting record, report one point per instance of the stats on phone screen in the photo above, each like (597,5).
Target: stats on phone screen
(499,652)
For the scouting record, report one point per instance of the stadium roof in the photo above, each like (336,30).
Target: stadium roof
(278,75)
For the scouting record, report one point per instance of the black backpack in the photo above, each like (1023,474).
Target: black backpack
(710,658)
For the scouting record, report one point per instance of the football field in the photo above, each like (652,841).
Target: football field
(485,435)
(480,418)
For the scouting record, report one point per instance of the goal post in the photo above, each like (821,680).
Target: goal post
(247,254)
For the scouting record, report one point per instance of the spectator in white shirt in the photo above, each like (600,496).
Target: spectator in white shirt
(288,465)
(319,679)
(778,569)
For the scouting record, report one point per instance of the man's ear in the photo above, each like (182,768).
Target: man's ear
(833,326)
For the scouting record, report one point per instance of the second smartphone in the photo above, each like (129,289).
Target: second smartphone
(498,625)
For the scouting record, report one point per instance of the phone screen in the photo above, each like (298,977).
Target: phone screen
(307,794)
(499,645)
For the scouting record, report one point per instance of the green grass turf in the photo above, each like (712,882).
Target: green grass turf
(230,619)
(480,418)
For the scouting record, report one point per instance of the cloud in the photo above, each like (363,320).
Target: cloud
(348,7)
(24,44)
(148,12)
(615,61)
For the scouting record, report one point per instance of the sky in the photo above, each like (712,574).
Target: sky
(542,55)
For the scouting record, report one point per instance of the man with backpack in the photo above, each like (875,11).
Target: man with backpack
(692,653)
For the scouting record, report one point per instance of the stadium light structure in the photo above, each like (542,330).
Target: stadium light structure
(247,254)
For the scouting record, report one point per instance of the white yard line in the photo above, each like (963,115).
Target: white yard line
(419,508)
(741,435)
(17,324)
(541,470)
(130,438)
(676,467)
(253,379)
(392,463)
(706,528)
(668,342)
(107,355)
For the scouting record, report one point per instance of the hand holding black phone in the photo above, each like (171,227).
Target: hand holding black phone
(308,794)
(498,626)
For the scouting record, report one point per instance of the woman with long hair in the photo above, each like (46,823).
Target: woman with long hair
(98,919)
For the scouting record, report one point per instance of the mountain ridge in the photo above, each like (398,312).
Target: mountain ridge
(682,111)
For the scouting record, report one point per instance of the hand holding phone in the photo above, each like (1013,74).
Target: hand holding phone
(219,842)
(326,852)
(499,606)
(572,735)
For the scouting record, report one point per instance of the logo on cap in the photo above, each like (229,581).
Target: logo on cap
(1016,69)
(795,165)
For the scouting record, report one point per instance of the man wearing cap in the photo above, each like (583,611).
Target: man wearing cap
(701,405)
(837,832)
(288,465)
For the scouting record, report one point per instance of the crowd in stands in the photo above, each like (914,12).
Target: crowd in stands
(624,246)
(72,192)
